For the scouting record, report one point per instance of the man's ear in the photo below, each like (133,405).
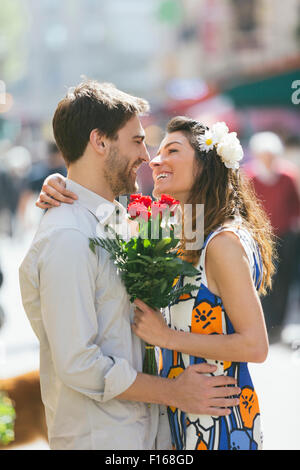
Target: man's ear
(98,142)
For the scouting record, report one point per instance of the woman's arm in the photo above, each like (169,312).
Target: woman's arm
(54,192)
(229,269)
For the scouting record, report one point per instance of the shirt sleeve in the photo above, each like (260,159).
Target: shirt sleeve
(68,271)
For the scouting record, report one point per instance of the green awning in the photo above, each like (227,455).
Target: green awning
(273,91)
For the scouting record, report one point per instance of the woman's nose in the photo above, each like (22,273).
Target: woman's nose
(156,161)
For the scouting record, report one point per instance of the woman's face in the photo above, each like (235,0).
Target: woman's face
(173,169)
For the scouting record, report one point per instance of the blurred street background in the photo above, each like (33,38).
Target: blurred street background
(214,60)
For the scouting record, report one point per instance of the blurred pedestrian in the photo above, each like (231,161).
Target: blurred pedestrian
(6,205)
(35,178)
(15,164)
(275,183)
(39,172)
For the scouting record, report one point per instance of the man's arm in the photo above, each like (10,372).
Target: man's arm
(192,391)
(68,271)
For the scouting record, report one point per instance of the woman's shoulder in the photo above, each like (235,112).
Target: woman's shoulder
(232,243)
(231,239)
(231,232)
(228,247)
(225,245)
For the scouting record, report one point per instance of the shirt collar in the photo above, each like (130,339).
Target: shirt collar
(99,206)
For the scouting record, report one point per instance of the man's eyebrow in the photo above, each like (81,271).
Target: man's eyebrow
(139,136)
(168,144)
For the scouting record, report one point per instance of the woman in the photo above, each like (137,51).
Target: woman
(222,322)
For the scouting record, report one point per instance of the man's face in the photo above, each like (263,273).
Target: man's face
(125,156)
(267,159)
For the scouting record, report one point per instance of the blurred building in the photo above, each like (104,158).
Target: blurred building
(160,49)
(107,40)
(218,38)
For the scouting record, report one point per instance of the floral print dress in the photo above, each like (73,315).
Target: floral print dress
(202,312)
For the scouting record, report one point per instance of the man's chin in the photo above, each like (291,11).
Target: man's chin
(130,188)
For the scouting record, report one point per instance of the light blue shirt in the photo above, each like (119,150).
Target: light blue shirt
(81,314)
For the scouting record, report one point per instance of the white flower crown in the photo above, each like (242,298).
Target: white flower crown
(227,144)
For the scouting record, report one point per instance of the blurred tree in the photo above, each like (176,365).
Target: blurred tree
(13,26)
(170,11)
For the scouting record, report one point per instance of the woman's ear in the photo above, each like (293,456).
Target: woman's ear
(98,142)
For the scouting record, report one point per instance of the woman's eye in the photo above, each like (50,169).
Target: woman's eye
(173,150)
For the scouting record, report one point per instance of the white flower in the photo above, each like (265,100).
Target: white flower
(230,150)
(219,130)
(207,141)
(227,144)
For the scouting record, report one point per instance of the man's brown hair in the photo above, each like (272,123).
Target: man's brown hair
(92,105)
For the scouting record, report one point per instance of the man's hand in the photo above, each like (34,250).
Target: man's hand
(54,192)
(193,391)
(197,393)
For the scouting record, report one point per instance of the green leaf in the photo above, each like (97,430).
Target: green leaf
(187,269)
(165,245)
(137,261)
(92,246)
(148,267)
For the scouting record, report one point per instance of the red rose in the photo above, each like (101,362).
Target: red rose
(171,202)
(136,209)
(158,208)
(166,199)
(146,200)
(135,197)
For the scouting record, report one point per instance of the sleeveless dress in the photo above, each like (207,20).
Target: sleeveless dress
(202,312)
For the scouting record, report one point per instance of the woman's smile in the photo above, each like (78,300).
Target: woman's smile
(173,167)
(162,176)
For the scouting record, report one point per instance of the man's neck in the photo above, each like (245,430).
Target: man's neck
(91,182)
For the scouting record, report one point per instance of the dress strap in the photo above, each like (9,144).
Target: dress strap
(250,248)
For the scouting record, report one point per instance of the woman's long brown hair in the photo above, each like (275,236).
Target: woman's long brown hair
(225,193)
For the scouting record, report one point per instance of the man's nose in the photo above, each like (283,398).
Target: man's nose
(145,154)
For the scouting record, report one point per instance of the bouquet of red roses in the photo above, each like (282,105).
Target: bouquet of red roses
(149,262)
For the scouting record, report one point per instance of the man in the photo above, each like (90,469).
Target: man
(94,393)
